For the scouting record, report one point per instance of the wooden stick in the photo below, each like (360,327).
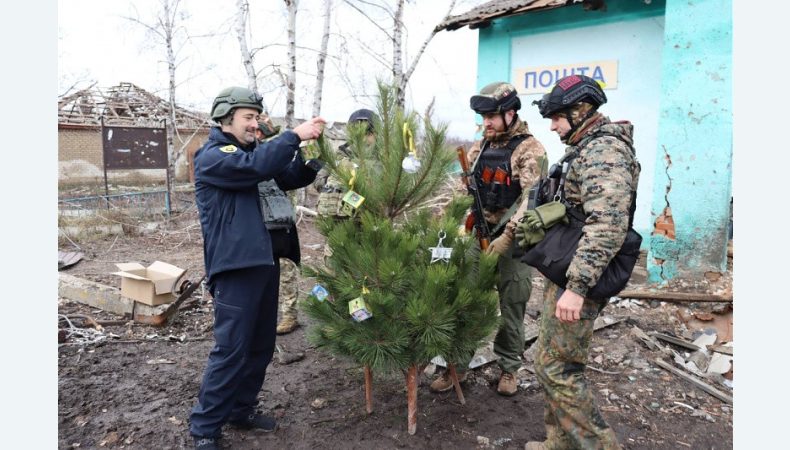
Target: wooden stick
(368,390)
(411,396)
(721,349)
(456,384)
(677,341)
(680,297)
(704,386)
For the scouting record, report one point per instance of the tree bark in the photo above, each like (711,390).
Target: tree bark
(368,390)
(456,384)
(242,18)
(320,64)
(292,6)
(397,55)
(411,389)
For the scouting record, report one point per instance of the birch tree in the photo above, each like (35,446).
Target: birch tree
(290,81)
(321,61)
(400,73)
(241,25)
(165,28)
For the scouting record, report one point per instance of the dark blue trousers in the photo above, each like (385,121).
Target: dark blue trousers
(245,321)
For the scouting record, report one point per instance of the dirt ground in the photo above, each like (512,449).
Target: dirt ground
(135,387)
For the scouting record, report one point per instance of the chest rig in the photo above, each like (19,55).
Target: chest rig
(493,174)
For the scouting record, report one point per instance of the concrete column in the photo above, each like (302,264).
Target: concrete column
(693,170)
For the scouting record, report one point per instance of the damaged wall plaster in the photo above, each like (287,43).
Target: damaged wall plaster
(693,173)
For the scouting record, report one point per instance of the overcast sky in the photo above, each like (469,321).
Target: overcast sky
(96,43)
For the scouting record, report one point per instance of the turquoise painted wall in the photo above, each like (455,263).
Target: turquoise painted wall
(693,174)
(690,162)
(572,35)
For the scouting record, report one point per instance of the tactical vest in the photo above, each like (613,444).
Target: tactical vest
(276,208)
(494,175)
(552,186)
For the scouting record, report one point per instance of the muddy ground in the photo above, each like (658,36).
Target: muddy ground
(135,387)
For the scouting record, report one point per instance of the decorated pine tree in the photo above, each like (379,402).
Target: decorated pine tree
(399,288)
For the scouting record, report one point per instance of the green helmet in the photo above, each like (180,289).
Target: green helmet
(235,97)
(496,97)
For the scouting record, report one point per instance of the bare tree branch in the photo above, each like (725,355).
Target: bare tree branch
(365,15)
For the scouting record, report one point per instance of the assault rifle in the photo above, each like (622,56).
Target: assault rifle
(475,218)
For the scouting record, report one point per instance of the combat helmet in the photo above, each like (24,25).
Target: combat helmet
(568,92)
(364,115)
(496,97)
(235,97)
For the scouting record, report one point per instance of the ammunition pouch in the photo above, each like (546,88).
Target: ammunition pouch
(276,208)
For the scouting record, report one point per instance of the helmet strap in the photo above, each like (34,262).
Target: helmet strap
(504,120)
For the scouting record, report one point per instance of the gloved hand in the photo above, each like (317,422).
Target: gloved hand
(526,236)
(500,244)
(546,215)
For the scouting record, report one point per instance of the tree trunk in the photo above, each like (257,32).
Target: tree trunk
(319,77)
(411,395)
(397,55)
(368,390)
(291,79)
(242,16)
(169,26)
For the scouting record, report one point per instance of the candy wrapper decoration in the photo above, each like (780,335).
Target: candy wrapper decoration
(359,310)
(320,293)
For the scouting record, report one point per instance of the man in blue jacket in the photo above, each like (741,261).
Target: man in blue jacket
(242,273)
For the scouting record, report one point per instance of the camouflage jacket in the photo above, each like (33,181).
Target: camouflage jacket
(526,162)
(331,189)
(601,179)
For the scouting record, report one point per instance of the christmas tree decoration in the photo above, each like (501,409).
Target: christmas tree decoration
(359,309)
(320,293)
(440,253)
(420,309)
(410,163)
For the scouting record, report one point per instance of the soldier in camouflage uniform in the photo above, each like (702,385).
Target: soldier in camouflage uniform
(330,189)
(602,181)
(289,272)
(510,148)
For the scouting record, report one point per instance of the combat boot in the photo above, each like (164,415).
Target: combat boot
(202,443)
(508,384)
(287,325)
(444,383)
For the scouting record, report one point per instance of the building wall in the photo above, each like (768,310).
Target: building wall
(673,83)
(80,157)
(572,37)
(693,173)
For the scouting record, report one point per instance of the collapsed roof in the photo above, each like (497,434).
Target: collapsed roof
(482,16)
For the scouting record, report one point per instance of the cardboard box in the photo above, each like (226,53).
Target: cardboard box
(152,285)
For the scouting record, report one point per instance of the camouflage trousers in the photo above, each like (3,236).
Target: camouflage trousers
(289,288)
(572,419)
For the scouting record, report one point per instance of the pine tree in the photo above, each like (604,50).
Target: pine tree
(421,307)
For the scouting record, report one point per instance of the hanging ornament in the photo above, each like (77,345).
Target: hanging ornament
(320,293)
(352,200)
(440,253)
(410,163)
(358,309)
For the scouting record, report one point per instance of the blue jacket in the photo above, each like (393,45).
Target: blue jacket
(226,191)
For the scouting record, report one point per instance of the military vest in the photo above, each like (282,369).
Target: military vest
(494,175)
(276,207)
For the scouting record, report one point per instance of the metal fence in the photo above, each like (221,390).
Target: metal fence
(141,204)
